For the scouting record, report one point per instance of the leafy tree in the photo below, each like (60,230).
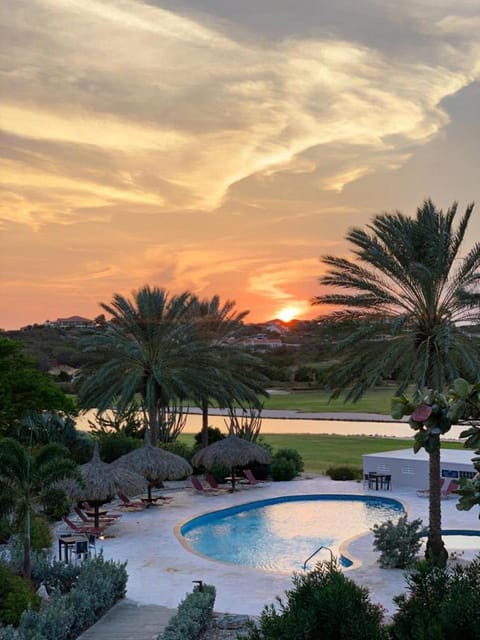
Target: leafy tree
(23,477)
(406,300)
(25,389)
(150,349)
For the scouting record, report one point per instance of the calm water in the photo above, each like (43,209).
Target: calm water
(281,533)
(299,425)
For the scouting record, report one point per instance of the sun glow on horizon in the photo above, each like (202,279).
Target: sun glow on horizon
(288,313)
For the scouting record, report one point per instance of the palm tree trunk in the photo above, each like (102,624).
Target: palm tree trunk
(27,562)
(435,551)
(204,422)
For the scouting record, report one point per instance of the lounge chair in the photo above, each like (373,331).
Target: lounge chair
(424,493)
(89,529)
(103,520)
(448,492)
(198,486)
(250,478)
(134,505)
(87,507)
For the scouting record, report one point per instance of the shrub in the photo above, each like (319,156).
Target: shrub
(442,603)
(293,455)
(180,448)
(40,534)
(282,469)
(5,530)
(55,503)
(323,605)
(214,435)
(114,445)
(193,615)
(219,472)
(98,586)
(16,595)
(344,472)
(399,543)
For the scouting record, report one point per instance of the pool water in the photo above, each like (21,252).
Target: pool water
(279,534)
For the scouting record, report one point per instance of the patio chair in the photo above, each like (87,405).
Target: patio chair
(449,491)
(89,529)
(250,478)
(104,521)
(198,486)
(424,493)
(134,505)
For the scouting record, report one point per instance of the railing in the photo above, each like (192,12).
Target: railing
(315,553)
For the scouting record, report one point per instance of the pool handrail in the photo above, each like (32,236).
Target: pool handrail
(315,553)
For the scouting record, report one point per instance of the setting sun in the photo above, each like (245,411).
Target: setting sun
(288,313)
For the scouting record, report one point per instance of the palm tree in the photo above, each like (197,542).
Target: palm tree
(24,476)
(149,348)
(404,306)
(235,376)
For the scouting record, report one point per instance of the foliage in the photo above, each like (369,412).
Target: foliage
(16,595)
(282,469)
(246,424)
(442,603)
(293,455)
(323,605)
(55,503)
(219,472)
(24,476)
(113,445)
(25,389)
(193,615)
(214,435)
(5,530)
(398,542)
(99,585)
(40,534)
(126,420)
(180,448)
(344,472)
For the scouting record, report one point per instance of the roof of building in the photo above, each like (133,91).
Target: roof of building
(458,456)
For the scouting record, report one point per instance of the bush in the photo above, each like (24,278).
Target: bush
(40,534)
(55,503)
(323,605)
(5,530)
(282,469)
(219,472)
(443,603)
(193,615)
(344,472)
(98,586)
(114,445)
(399,543)
(16,595)
(214,435)
(293,455)
(180,448)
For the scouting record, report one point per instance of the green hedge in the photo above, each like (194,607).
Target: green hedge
(193,615)
(99,585)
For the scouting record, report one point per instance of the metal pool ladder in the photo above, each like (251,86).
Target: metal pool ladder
(315,553)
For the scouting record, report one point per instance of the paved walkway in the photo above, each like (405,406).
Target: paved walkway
(128,620)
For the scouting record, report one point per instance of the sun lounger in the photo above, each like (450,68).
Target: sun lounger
(250,479)
(90,529)
(103,520)
(424,493)
(134,505)
(108,514)
(449,491)
(198,486)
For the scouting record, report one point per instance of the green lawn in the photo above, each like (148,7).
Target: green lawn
(321,451)
(374,401)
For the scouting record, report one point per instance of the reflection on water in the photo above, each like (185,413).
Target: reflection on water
(298,425)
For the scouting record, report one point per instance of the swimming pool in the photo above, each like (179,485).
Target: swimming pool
(279,534)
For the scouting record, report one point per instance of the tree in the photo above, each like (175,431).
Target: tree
(23,476)
(25,389)
(150,348)
(407,301)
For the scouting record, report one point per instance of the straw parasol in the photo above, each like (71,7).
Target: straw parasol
(101,481)
(232,451)
(154,464)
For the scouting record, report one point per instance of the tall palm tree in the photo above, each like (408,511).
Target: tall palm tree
(235,376)
(149,348)
(23,476)
(404,306)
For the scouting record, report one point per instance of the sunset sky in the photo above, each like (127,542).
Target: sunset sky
(221,146)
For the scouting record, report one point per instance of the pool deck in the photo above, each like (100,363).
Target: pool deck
(162,570)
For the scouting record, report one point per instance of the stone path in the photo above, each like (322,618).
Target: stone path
(128,620)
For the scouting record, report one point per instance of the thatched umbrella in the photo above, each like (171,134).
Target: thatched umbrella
(101,481)
(232,451)
(154,464)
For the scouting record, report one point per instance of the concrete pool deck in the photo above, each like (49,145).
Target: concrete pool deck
(161,570)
